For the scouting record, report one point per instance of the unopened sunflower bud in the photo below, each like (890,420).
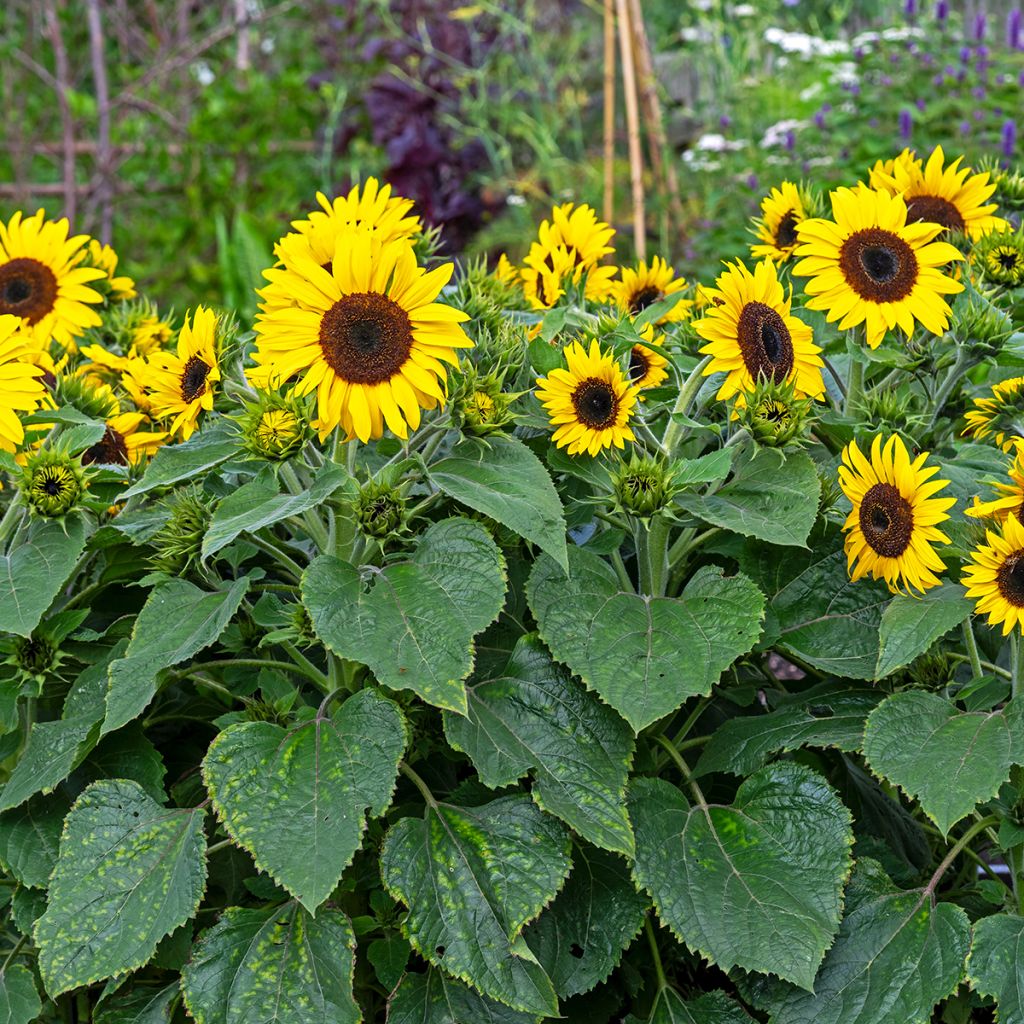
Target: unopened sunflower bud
(381,510)
(999,257)
(643,486)
(275,426)
(774,415)
(87,393)
(179,542)
(53,482)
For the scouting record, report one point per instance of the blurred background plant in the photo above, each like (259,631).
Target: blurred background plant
(189,134)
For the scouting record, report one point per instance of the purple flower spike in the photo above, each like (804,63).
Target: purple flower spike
(790,140)
(942,11)
(910,9)
(965,55)
(1013,29)
(906,124)
(920,104)
(980,26)
(1008,138)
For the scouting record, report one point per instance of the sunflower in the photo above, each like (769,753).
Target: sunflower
(881,174)
(998,414)
(369,333)
(889,532)
(125,442)
(179,385)
(546,272)
(952,196)
(752,336)
(104,258)
(781,210)
(21,390)
(870,266)
(994,575)
(590,403)
(645,285)
(1011,499)
(1000,257)
(41,280)
(646,364)
(578,229)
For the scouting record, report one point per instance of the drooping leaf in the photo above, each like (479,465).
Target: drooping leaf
(472,878)
(129,873)
(172,463)
(414,627)
(896,956)
(948,760)
(19,997)
(435,998)
(771,497)
(139,1004)
(757,884)
(910,625)
(824,716)
(30,838)
(296,798)
(531,715)
(710,1008)
(260,503)
(815,612)
(32,574)
(643,655)
(996,964)
(275,965)
(177,621)
(581,937)
(503,479)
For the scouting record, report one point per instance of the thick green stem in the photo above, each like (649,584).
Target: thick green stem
(683,767)
(652,941)
(652,556)
(855,385)
(1014,664)
(949,382)
(418,783)
(978,826)
(313,674)
(310,518)
(972,649)
(283,559)
(687,394)
(12,517)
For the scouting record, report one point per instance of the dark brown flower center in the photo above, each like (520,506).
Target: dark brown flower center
(639,364)
(595,403)
(644,298)
(935,210)
(110,449)
(193,379)
(785,233)
(765,342)
(28,289)
(366,338)
(886,520)
(878,265)
(1008,260)
(1010,579)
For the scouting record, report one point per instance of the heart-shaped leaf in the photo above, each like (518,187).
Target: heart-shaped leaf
(757,884)
(296,798)
(643,655)
(911,624)
(415,625)
(946,759)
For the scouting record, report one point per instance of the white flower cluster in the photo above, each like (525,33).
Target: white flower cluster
(892,35)
(776,134)
(803,44)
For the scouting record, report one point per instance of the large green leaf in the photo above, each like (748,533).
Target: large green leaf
(643,655)
(824,716)
(275,965)
(211,446)
(129,873)
(815,613)
(910,625)
(581,937)
(472,878)
(434,998)
(296,798)
(531,714)
(414,627)
(139,1004)
(946,759)
(19,998)
(772,497)
(30,839)
(177,621)
(996,964)
(53,751)
(33,573)
(260,503)
(897,954)
(503,479)
(757,884)
(710,1008)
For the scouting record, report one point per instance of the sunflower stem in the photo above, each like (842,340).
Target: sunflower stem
(652,556)
(1014,664)
(972,649)
(414,778)
(687,393)
(950,381)
(978,826)
(855,385)
(11,517)
(652,941)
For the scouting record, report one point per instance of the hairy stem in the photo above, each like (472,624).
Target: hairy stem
(687,393)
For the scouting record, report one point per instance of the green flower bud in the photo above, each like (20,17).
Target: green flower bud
(275,426)
(644,486)
(380,509)
(999,258)
(53,483)
(774,415)
(180,540)
(87,394)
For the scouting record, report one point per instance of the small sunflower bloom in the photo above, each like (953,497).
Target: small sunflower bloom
(894,521)
(994,575)
(997,414)
(644,285)
(647,366)
(120,287)
(781,211)
(869,265)
(21,385)
(589,403)
(125,442)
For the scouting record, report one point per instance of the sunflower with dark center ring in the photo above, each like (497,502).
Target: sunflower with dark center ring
(752,335)
(180,385)
(643,285)
(367,335)
(994,575)
(895,515)
(952,196)
(589,403)
(124,442)
(43,281)
(997,414)
(647,366)
(869,265)
(21,385)
(781,211)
